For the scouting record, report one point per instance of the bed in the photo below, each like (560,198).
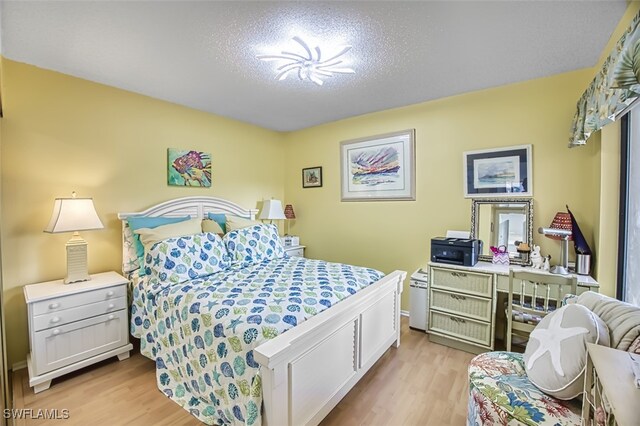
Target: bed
(346,320)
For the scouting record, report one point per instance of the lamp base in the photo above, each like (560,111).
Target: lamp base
(559,270)
(77,269)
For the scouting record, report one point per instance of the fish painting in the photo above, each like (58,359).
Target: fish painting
(189,168)
(373,167)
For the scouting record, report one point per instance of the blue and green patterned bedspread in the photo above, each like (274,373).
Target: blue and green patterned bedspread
(202,332)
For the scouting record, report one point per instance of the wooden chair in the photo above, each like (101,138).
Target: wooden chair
(538,293)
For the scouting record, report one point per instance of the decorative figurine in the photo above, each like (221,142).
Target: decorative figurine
(546,264)
(536,260)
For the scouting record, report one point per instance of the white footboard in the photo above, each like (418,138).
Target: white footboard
(307,370)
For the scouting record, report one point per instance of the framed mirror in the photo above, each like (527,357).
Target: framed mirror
(502,222)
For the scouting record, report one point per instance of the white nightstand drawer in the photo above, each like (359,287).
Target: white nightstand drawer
(65,302)
(64,345)
(58,318)
(299,252)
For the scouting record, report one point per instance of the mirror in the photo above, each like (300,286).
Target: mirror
(502,222)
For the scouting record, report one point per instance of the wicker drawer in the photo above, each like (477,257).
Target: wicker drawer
(462,281)
(470,306)
(454,326)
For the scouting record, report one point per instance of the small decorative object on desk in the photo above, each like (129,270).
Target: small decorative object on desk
(537,262)
(500,255)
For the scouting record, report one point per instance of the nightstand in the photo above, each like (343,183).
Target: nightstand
(297,251)
(75,325)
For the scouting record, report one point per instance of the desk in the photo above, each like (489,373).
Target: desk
(463,300)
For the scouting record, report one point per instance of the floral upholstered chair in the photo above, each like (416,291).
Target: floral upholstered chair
(500,392)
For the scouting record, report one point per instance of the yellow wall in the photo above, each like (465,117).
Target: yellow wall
(62,134)
(396,235)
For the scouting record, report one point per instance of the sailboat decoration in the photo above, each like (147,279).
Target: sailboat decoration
(579,241)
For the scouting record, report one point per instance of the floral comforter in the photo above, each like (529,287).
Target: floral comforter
(202,332)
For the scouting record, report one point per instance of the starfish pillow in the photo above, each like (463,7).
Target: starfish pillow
(555,357)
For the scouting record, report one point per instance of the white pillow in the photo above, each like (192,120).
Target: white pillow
(212,226)
(555,357)
(150,236)
(237,222)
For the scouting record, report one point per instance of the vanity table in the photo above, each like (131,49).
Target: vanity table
(464,300)
(463,303)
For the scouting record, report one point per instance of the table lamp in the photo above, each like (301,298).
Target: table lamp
(289,214)
(272,210)
(73,215)
(560,229)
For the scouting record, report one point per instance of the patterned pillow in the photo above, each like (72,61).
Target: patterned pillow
(179,259)
(254,244)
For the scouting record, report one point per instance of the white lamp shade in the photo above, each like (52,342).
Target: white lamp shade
(272,209)
(73,214)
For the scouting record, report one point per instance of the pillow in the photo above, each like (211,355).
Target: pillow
(220,219)
(179,259)
(255,244)
(136,223)
(212,226)
(150,236)
(237,222)
(555,357)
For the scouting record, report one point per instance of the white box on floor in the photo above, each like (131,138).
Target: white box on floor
(419,300)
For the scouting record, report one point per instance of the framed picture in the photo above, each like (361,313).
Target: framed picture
(188,168)
(379,167)
(312,177)
(498,172)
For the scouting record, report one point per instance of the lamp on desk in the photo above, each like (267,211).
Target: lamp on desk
(560,229)
(73,215)
(272,210)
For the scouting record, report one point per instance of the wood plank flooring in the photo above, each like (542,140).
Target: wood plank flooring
(420,383)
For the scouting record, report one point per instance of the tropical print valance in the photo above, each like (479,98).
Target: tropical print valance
(613,89)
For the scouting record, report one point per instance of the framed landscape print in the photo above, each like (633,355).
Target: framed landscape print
(312,177)
(188,168)
(379,167)
(498,172)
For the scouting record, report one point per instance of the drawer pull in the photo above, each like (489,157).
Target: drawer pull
(55,320)
(55,332)
(458,320)
(110,317)
(458,274)
(457,297)
(110,293)
(111,306)
(54,305)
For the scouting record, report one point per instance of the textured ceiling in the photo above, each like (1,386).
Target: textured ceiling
(203,54)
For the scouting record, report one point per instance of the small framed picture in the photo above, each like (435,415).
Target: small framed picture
(504,172)
(312,177)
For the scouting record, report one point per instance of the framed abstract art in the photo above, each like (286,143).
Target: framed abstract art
(379,168)
(188,168)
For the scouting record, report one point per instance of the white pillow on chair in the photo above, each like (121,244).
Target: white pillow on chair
(555,357)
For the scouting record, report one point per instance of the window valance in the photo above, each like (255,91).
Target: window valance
(613,89)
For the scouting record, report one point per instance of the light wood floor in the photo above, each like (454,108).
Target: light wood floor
(421,383)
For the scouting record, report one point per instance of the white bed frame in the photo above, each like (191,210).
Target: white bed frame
(310,368)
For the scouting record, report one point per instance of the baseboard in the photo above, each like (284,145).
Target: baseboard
(404,313)
(19,365)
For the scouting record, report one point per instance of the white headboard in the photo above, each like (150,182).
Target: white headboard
(196,207)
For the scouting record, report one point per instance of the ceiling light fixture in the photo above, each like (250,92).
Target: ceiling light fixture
(310,67)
